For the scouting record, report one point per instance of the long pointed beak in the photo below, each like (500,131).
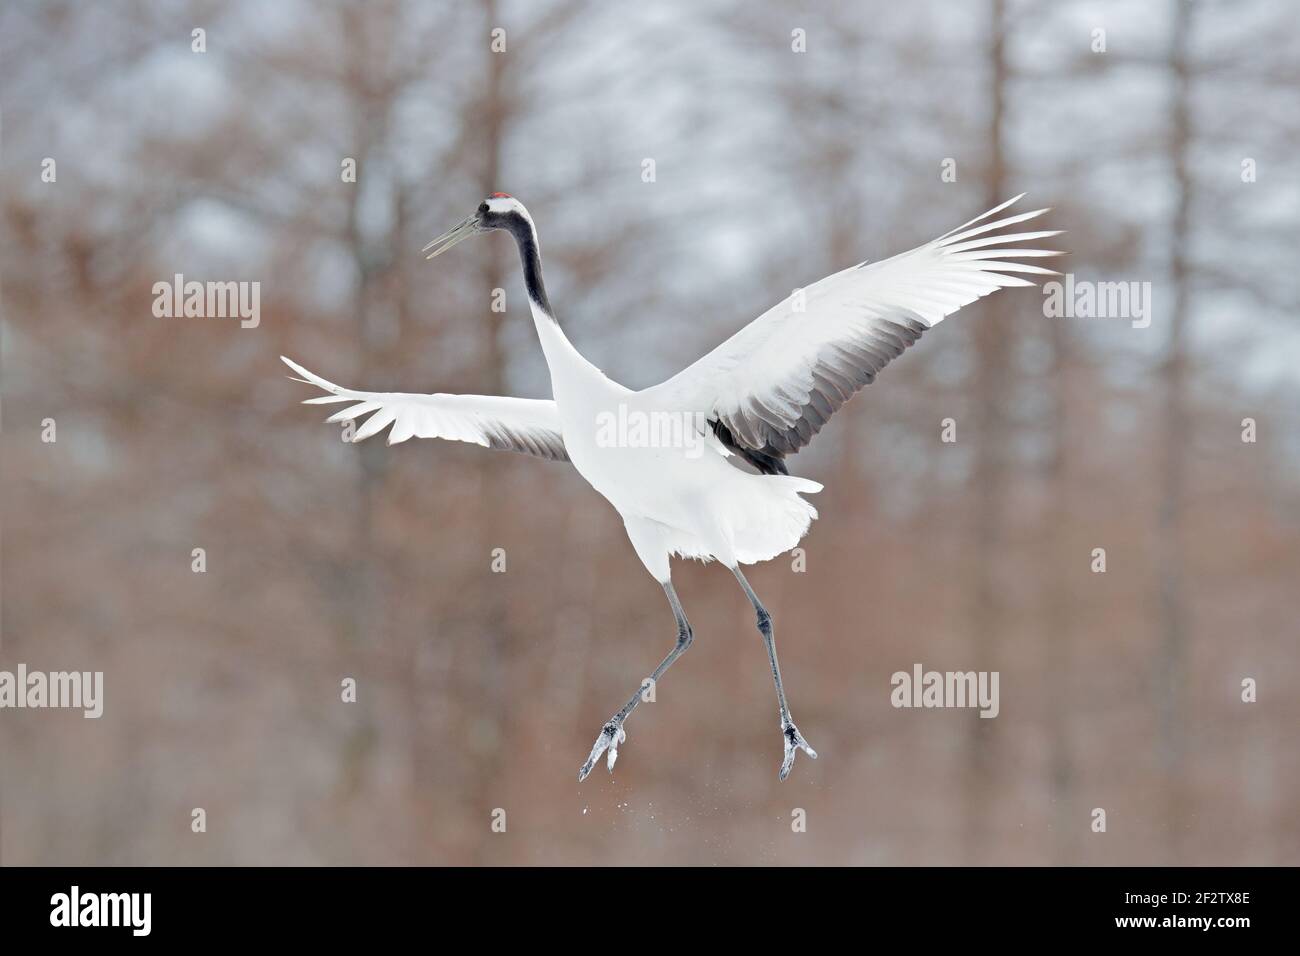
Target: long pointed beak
(448,239)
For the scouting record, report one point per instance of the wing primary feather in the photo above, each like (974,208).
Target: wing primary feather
(770,387)
(992,212)
(518,424)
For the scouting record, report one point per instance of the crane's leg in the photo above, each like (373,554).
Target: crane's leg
(794,741)
(612,734)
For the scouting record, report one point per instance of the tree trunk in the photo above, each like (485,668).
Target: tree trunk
(491,709)
(1063,561)
(1171,660)
(986,546)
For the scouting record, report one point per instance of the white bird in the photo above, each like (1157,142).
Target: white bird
(660,455)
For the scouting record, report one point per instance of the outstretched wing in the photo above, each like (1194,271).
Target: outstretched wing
(519,424)
(770,387)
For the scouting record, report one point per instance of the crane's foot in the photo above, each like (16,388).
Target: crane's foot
(611,735)
(794,742)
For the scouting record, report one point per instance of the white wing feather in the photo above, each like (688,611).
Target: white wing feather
(519,424)
(774,383)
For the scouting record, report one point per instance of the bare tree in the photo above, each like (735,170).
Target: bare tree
(1171,662)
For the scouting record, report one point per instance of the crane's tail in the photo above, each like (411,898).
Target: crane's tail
(770,518)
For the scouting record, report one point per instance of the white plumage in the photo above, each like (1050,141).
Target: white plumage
(760,395)
(521,424)
(801,359)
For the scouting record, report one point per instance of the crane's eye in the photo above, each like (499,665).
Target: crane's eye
(482,209)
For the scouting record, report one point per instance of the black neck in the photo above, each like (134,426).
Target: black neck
(532,262)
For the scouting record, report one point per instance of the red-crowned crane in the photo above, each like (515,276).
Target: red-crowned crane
(660,455)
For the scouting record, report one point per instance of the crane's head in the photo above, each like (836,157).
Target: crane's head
(498,211)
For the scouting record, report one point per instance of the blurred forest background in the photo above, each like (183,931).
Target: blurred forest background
(477,690)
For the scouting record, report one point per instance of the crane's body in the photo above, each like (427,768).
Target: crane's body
(677,497)
(663,456)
